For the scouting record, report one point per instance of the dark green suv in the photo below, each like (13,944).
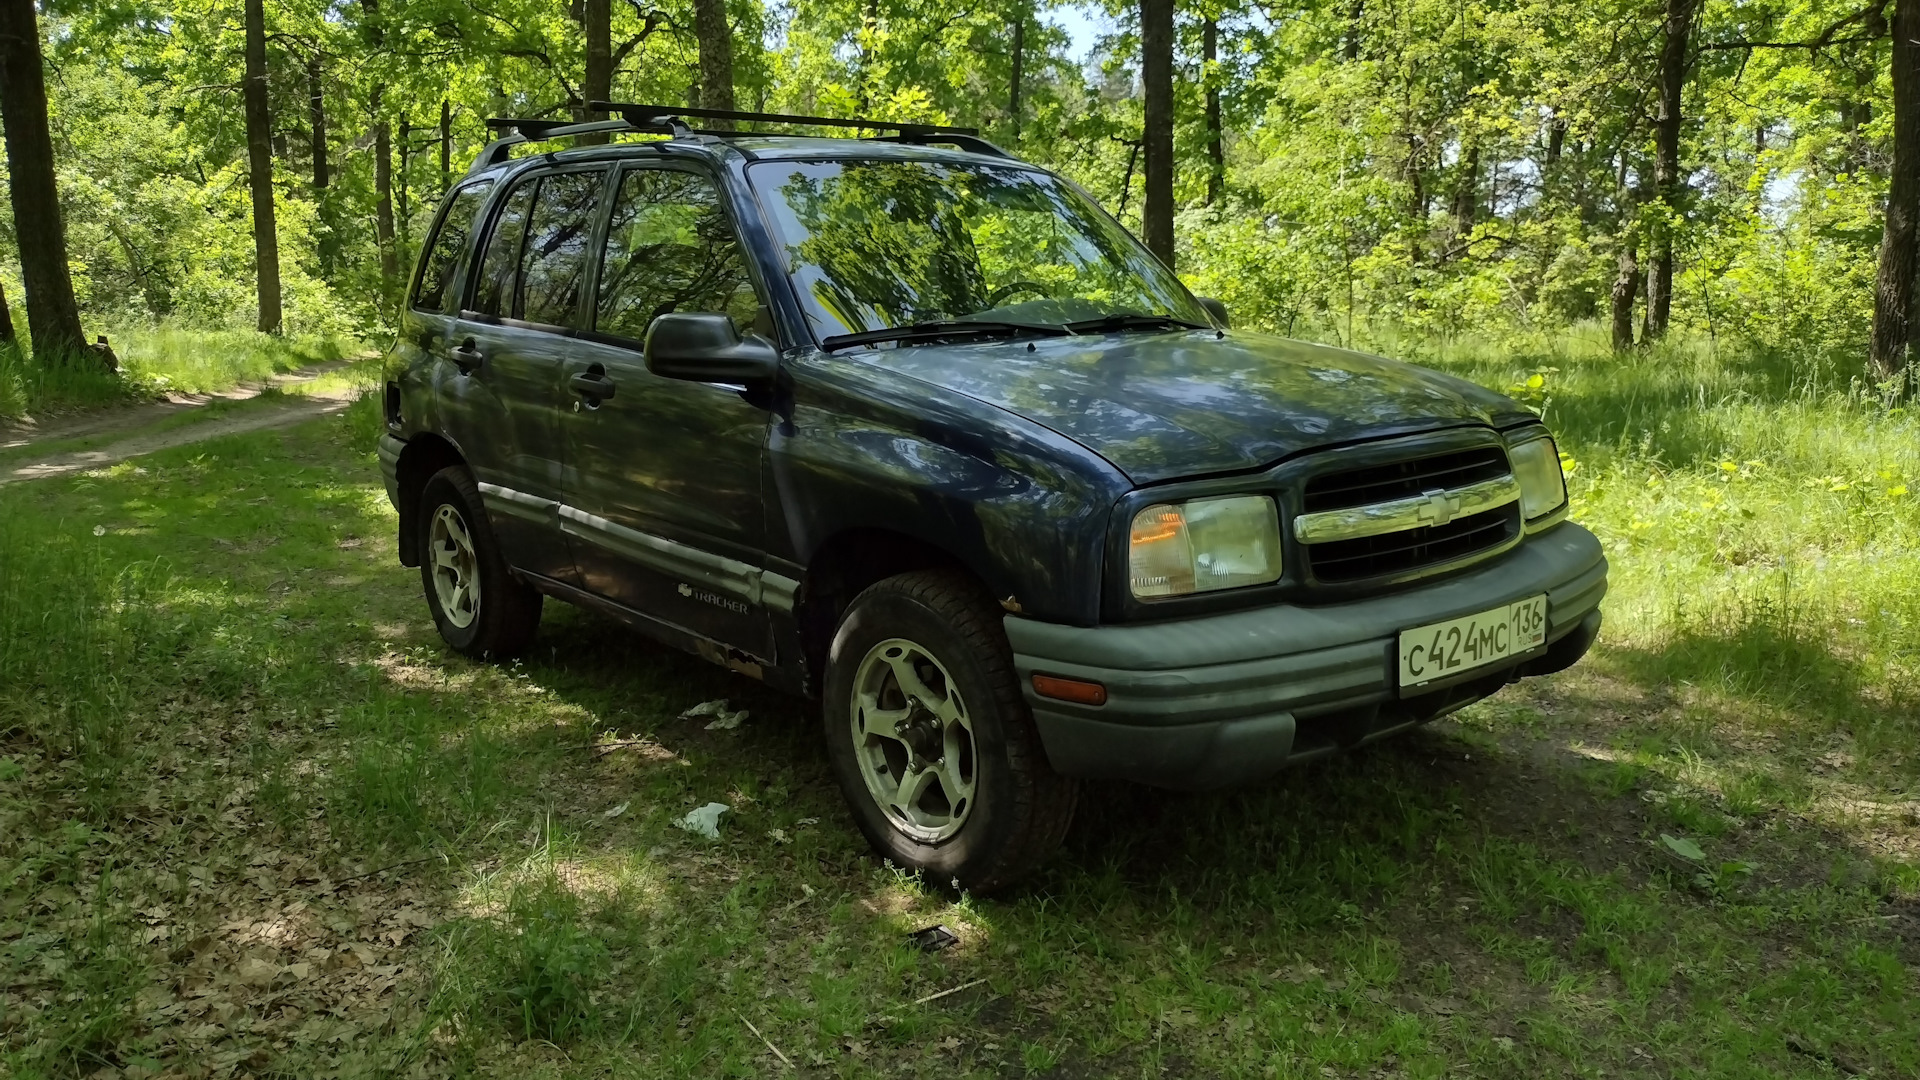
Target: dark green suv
(916,429)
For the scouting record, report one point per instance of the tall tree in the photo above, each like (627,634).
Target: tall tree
(1893,324)
(52,315)
(596,24)
(1210,78)
(1156,76)
(1676,33)
(266,237)
(716,54)
(382,160)
(1017,59)
(317,116)
(446,143)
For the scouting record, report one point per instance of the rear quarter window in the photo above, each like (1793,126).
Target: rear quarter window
(435,290)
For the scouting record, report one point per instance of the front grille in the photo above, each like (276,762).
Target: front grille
(1407,552)
(1403,479)
(1395,553)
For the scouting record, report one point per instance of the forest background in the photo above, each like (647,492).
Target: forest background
(1363,171)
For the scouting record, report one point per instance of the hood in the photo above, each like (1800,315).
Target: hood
(1187,403)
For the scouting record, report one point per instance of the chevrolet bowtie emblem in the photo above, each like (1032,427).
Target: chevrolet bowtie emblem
(1440,507)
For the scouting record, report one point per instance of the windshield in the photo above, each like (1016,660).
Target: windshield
(877,244)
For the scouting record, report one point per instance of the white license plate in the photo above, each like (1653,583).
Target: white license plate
(1438,650)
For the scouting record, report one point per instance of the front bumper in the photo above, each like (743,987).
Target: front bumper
(1227,699)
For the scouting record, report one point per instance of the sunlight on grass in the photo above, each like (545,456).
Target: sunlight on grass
(203,361)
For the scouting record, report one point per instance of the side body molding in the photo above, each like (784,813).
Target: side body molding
(730,577)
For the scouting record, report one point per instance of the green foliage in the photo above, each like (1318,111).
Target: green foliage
(1431,167)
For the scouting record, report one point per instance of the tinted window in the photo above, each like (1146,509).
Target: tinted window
(670,248)
(444,250)
(555,264)
(494,294)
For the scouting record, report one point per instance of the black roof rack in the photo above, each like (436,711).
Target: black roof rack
(668,120)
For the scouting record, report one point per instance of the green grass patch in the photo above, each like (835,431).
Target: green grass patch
(157,360)
(254,817)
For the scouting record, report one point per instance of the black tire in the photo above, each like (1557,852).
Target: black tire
(500,622)
(1019,808)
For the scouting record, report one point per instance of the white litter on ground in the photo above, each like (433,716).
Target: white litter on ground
(704,821)
(725,719)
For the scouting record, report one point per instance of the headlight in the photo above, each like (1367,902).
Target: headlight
(1543,487)
(1203,545)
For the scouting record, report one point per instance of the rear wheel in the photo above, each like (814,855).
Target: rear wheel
(480,608)
(932,743)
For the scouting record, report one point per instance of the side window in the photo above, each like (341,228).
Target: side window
(434,292)
(670,248)
(554,268)
(493,295)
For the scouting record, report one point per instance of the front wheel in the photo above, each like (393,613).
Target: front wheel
(932,743)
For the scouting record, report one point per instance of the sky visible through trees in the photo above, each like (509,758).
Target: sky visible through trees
(1332,168)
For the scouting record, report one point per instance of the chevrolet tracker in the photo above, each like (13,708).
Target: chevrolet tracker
(916,429)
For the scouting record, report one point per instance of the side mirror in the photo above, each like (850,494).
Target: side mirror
(706,347)
(1216,309)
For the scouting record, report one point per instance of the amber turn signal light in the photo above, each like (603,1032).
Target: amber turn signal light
(1074,690)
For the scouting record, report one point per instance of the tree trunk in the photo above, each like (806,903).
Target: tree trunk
(1556,137)
(383,197)
(317,108)
(597,21)
(1350,47)
(1466,193)
(716,56)
(52,314)
(1625,284)
(1156,73)
(7,335)
(266,239)
(1019,58)
(1666,162)
(1216,148)
(404,217)
(446,144)
(382,160)
(1893,287)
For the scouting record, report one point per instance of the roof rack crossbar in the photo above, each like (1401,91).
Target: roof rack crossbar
(973,144)
(520,130)
(656,114)
(668,120)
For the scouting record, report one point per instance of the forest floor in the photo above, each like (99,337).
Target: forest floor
(255,820)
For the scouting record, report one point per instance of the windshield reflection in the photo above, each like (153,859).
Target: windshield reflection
(872,245)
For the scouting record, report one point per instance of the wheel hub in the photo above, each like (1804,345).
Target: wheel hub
(456,567)
(913,739)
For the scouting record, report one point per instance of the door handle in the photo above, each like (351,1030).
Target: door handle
(592,384)
(466,356)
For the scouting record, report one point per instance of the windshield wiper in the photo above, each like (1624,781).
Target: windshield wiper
(1131,320)
(939,328)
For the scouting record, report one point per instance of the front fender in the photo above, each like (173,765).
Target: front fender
(1022,507)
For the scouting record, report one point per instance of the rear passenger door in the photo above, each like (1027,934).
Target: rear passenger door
(664,476)
(505,373)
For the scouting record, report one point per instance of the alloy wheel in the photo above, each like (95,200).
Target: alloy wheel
(456,569)
(913,739)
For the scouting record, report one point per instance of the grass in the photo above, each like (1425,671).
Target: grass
(157,360)
(253,818)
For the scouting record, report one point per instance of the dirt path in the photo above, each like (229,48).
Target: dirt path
(130,418)
(136,421)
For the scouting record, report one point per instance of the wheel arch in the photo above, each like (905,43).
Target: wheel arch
(425,455)
(845,565)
